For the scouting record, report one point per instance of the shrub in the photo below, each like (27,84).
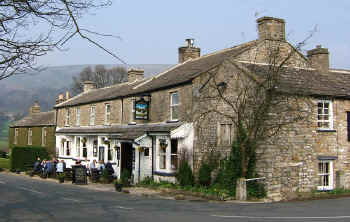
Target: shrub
(204,174)
(256,189)
(184,174)
(105,178)
(23,158)
(124,177)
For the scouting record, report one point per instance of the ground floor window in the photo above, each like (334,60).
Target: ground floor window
(94,148)
(162,158)
(109,152)
(84,152)
(325,174)
(67,148)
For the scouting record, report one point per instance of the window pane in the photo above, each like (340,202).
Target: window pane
(174,99)
(174,112)
(174,162)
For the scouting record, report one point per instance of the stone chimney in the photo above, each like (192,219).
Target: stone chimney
(35,108)
(60,98)
(67,95)
(88,86)
(189,51)
(271,28)
(319,58)
(135,74)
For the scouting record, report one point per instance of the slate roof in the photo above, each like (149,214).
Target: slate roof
(179,74)
(310,81)
(37,119)
(306,82)
(122,131)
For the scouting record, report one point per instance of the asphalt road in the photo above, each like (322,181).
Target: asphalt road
(26,199)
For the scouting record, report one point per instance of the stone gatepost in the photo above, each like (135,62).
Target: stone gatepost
(241,189)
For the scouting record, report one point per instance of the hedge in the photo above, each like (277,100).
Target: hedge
(24,157)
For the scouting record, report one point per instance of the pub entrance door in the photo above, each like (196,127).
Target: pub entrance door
(127,154)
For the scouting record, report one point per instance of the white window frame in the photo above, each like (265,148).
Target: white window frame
(67,117)
(107,114)
(43,136)
(330,175)
(172,105)
(321,115)
(30,136)
(92,115)
(77,146)
(16,136)
(77,116)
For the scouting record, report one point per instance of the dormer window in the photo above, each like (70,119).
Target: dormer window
(325,115)
(92,115)
(174,106)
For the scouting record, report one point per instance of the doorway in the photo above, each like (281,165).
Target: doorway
(126,157)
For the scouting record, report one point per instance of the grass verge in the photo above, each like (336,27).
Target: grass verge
(5,163)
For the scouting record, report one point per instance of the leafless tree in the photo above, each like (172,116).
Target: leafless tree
(20,41)
(256,98)
(100,75)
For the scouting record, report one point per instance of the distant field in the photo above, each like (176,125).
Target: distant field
(4,135)
(4,163)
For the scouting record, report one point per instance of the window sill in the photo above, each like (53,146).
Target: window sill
(132,123)
(166,174)
(326,131)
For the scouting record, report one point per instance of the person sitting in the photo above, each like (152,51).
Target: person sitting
(109,168)
(100,166)
(37,166)
(49,168)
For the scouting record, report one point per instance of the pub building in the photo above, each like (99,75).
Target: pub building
(136,126)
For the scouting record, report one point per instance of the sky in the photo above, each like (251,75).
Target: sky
(151,31)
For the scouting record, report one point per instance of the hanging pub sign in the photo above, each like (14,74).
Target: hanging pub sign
(141,109)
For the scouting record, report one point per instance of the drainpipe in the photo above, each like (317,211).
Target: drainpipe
(152,155)
(139,166)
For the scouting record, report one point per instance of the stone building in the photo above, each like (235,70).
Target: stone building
(36,129)
(145,125)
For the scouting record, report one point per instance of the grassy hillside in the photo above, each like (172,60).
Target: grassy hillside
(4,135)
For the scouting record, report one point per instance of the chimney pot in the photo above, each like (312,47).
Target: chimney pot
(189,51)
(67,95)
(35,108)
(271,28)
(319,58)
(135,74)
(88,86)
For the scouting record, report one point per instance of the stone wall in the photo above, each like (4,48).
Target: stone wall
(121,109)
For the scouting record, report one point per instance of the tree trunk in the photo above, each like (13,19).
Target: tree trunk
(241,189)
(244,164)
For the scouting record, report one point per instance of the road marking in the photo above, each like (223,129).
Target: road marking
(281,218)
(124,208)
(30,190)
(69,199)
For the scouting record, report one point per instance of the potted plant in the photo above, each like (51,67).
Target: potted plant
(118,185)
(60,177)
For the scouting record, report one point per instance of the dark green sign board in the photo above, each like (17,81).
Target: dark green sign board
(79,176)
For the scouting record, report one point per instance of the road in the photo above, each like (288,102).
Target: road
(26,199)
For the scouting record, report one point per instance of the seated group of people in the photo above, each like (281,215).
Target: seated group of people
(48,167)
